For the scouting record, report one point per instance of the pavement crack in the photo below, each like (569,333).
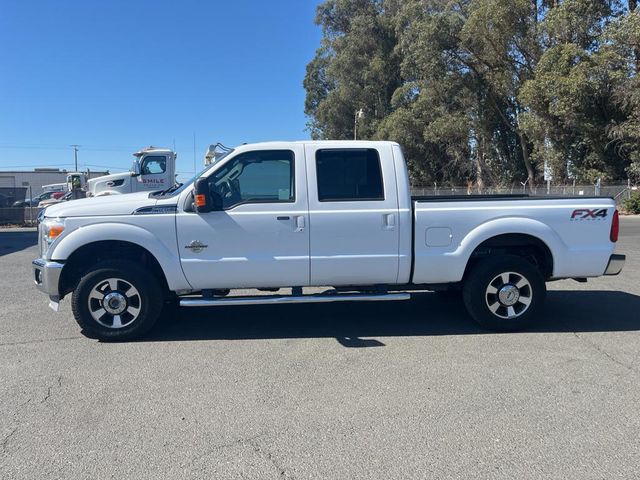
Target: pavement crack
(603,352)
(50,387)
(6,439)
(269,456)
(239,441)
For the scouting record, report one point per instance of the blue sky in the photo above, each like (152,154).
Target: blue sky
(115,76)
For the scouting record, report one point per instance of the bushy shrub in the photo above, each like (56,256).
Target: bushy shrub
(632,205)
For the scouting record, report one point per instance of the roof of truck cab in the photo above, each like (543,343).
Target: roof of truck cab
(325,143)
(152,150)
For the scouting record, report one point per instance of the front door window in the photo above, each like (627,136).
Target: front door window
(255,177)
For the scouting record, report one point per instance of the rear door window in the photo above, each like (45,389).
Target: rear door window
(352,174)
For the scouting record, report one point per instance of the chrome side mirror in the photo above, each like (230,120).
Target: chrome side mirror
(135,168)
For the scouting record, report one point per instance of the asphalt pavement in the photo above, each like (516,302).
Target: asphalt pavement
(346,391)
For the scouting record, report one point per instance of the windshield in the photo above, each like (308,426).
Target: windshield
(183,186)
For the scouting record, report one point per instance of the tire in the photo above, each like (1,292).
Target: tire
(117,301)
(504,293)
(449,293)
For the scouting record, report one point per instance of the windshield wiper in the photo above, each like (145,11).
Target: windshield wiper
(168,190)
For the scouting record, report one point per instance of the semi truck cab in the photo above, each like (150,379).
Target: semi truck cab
(153,169)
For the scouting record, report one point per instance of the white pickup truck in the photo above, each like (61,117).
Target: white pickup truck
(302,214)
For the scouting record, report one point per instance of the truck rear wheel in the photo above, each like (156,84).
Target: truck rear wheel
(504,293)
(115,301)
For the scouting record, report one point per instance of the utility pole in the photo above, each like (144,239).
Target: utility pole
(75,155)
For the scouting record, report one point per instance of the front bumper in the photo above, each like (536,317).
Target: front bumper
(616,262)
(46,276)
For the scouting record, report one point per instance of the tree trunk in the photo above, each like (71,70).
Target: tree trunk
(527,162)
(632,5)
(480,165)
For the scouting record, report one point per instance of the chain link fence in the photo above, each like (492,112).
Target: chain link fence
(12,206)
(19,216)
(620,192)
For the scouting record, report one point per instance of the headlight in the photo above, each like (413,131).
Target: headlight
(50,228)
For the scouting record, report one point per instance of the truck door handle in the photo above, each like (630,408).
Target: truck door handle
(389,220)
(300,223)
(284,217)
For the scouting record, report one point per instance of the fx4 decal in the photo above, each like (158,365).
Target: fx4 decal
(586,214)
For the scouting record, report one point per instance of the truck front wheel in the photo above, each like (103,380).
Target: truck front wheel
(116,301)
(504,293)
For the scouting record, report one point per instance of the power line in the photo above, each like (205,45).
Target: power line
(36,165)
(104,166)
(32,147)
(93,148)
(58,165)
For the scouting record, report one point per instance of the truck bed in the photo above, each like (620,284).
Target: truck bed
(471,197)
(448,229)
(498,196)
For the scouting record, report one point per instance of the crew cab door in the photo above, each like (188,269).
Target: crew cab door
(153,174)
(353,210)
(260,235)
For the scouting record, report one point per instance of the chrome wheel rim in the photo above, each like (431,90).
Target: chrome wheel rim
(509,295)
(114,303)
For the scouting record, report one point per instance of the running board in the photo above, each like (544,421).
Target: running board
(278,299)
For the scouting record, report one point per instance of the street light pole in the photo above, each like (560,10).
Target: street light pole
(75,155)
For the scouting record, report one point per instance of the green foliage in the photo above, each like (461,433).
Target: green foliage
(632,205)
(483,91)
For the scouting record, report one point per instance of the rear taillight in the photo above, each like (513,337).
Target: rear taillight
(615,227)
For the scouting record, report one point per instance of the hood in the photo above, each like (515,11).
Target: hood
(101,206)
(112,176)
(100,183)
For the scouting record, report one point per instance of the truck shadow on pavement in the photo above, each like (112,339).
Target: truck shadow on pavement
(353,324)
(14,241)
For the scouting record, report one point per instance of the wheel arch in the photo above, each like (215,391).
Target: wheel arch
(523,237)
(93,253)
(523,245)
(109,240)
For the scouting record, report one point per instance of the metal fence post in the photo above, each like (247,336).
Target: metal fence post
(30,207)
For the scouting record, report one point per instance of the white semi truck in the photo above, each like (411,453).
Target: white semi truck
(153,169)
